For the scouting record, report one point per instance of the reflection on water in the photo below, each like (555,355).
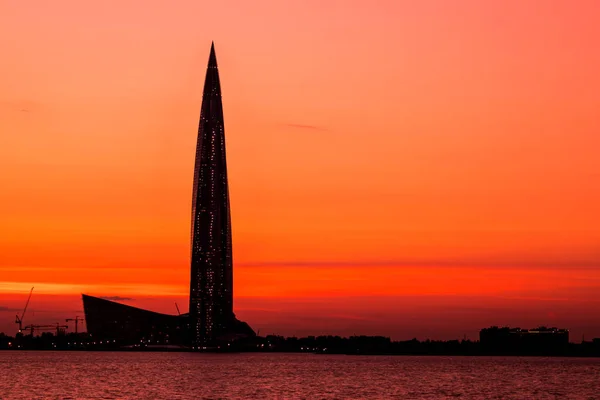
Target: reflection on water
(97,375)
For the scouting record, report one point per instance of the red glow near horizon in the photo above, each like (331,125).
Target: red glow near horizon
(408,169)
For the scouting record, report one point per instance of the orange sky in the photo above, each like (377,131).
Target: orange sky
(396,167)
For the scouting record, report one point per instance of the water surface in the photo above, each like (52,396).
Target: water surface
(123,375)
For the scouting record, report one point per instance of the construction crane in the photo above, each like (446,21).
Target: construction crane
(77,321)
(19,320)
(32,328)
(59,327)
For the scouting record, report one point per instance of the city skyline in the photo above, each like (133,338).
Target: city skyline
(428,174)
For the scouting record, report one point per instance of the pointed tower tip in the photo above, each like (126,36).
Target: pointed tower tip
(212,59)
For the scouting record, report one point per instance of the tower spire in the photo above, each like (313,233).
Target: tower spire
(212,59)
(211,283)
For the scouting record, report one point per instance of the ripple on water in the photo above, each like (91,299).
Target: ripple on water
(123,375)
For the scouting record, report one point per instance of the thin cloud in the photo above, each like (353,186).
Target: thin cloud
(116,298)
(20,105)
(310,127)
(535,298)
(350,317)
(264,310)
(483,262)
(4,308)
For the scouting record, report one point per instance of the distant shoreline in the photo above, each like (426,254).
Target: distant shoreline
(162,350)
(549,345)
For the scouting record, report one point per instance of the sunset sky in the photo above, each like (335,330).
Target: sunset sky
(405,168)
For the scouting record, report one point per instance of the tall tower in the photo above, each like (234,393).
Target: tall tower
(211,284)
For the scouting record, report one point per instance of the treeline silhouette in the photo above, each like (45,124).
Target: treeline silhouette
(359,345)
(379,345)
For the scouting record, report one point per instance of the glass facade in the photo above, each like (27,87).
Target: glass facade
(129,325)
(211,284)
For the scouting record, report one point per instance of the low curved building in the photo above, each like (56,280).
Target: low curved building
(107,319)
(129,325)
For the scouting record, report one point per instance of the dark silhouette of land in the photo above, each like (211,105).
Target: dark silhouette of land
(355,345)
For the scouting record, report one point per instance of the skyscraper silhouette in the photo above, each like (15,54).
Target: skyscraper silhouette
(211,285)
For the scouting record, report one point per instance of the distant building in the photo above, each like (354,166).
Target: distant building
(495,340)
(107,319)
(211,320)
(211,285)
